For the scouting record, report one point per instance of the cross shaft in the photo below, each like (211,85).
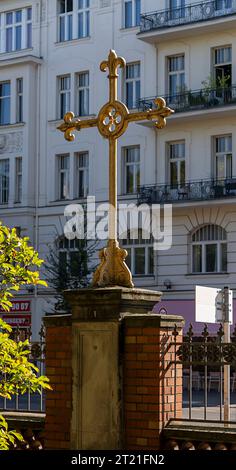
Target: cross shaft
(112,121)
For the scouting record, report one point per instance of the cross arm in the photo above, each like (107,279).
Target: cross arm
(70,125)
(158,116)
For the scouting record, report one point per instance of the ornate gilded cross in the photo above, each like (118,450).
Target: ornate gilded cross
(112,121)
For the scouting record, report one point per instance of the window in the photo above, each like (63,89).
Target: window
(83,19)
(5,103)
(223,4)
(222,64)
(83,93)
(73,259)
(63,176)
(29,28)
(176,157)
(73,19)
(132,85)
(65,13)
(64,95)
(16,27)
(4,181)
(176,75)
(132,169)
(177,9)
(82,171)
(140,254)
(19,100)
(209,250)
(18,181)
(223,156)
(132,10)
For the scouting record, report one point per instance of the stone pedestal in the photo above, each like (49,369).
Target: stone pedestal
(119,398)
(97,362)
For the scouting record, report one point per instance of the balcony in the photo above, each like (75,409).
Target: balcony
(196,100)
(182,21)
(203,190)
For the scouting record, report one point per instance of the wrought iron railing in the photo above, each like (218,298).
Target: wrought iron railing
(203,359)
(190,191)
(194,100)
(203,11)
(31,402)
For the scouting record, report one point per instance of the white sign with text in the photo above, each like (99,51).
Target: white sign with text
(209,305)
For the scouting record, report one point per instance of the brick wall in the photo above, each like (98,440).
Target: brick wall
(58,370)
(152,384)
(151,394)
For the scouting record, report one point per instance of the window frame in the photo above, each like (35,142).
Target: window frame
(5,187)
(177,11)
(9,30)
(83,90)
(179,161)
(18,179)
(134,21)
(203,244)
(223,7)
(178,73)
(84,13)
(226,154)
(136,165)
(63,171)
(134,81)
(69,248)
(5,97)
(67,16)
(19,100)
(63,92)
(85,171)
(76,22)
(133,244)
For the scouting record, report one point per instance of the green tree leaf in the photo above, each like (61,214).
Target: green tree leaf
(18,268)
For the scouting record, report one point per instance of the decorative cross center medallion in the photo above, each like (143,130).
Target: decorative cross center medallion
(112,121)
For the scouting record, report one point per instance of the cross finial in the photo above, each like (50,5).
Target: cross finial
(112,121)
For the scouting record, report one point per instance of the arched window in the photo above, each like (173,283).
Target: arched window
(209,249)
(140,253)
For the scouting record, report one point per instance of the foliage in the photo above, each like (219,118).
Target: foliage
(17,373)
(212,83)
(68,268)
(7,438)
(18,263)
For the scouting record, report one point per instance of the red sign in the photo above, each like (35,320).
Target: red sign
(17,320)
(19,306)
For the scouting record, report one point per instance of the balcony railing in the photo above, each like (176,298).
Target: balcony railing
(190,191)
(203,11)
(195,100)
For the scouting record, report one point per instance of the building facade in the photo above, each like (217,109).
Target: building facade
(184,51)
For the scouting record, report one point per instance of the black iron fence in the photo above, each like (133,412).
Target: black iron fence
(203,11)
(31,402)
(194,100)
(203,360)
(190,191)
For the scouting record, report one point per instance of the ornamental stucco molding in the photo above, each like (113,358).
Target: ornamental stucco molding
(11,142)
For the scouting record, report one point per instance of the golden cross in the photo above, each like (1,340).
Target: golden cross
(112,121)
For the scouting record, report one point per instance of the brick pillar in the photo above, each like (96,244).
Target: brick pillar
(105,364)
(58,369)
(152,394)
